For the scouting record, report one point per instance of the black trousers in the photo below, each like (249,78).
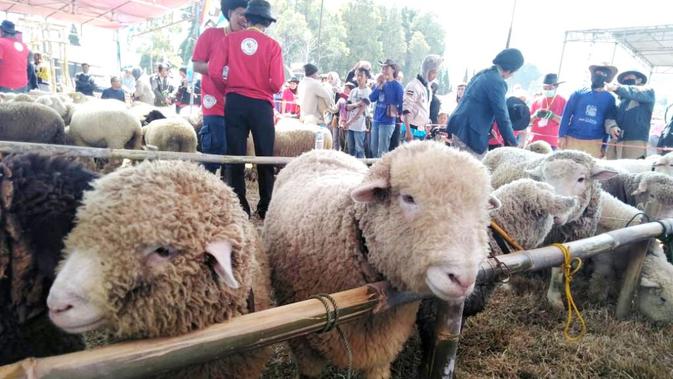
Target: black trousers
(395,138)
(244,115)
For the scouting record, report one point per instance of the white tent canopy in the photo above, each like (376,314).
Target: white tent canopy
(652,45)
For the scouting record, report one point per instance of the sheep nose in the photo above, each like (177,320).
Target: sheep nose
(461,282)
(60,308)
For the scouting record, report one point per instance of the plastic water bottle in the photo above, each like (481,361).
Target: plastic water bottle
(319,139)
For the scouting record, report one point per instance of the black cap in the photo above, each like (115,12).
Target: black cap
(8,27)
(230,5)
(636,73)
(519,113)
(310,69)
(294,79)
(259,8)
(509,59)
(551,79)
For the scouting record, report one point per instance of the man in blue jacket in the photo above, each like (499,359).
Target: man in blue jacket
(589,114)
(633,116)
(483,102)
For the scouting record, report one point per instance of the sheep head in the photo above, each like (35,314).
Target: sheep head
(425,217)
(159,249)
(658,188)
(572,173)
(530,210)
(664,164)
(655,293)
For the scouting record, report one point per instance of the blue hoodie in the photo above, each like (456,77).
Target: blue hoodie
(392,93)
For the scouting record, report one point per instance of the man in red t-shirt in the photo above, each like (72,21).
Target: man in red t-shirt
(14,56)
(212,133)
(248,67)
(546,112)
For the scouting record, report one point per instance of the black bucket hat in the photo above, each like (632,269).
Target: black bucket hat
(8,27)
(551,79)
(259,8)
(638,74)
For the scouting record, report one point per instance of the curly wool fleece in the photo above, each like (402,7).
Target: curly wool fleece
(180,206)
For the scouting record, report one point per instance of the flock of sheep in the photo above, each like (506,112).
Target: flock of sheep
(163,248)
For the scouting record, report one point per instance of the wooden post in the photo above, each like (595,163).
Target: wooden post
(632,274)
(447,332)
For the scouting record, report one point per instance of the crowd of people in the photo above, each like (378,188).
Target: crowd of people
(243,91)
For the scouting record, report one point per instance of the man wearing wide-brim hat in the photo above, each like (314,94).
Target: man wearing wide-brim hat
(546,112)
(589,114)
(633,116)
(248,67)
(14,58)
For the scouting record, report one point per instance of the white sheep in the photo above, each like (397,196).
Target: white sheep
(105,123)
(162,249)
(334,224)
(662,164)
(170,134)
(540,147)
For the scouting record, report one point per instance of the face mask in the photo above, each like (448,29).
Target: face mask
(629,82)
(598,82)
(550,93)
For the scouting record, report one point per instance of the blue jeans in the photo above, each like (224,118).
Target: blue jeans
(356,143)
(381,134)
(213,139)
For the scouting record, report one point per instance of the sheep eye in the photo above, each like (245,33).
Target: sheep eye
(662,300)
(580,180)
(163,252)
(408,199)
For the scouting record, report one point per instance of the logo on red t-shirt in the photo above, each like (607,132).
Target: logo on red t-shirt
(18,46)
(249,46)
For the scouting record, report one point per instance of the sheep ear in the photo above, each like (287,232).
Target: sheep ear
(221,251)
(493,203)
(642,188)
(647,283)
(602,173)
(6,187)
(366,192)
(535,173)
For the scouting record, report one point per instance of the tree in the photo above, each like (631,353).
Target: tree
(433,32)
(362,31)
(392,35)
(527,77)
(444,83)
(418,49)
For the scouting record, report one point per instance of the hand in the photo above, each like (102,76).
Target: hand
(562,143)
(611,87)
(409,135)
(615,132)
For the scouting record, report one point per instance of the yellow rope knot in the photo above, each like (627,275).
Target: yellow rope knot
(568,273)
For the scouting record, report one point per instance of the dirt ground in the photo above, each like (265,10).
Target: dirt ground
(519,336)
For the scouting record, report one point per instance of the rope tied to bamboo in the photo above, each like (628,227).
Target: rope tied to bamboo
(332,319)
(573,311)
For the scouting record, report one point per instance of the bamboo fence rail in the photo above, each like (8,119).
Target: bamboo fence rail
(138,155)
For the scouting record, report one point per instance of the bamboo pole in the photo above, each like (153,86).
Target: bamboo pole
(632,274)
(550,256)
(447,331)
(139,155)
(141,358)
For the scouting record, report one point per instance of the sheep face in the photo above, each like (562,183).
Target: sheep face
(657,188)
(426,228)
(159,249)
(664,165)
(655,294)
(570,178)
(530,209)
